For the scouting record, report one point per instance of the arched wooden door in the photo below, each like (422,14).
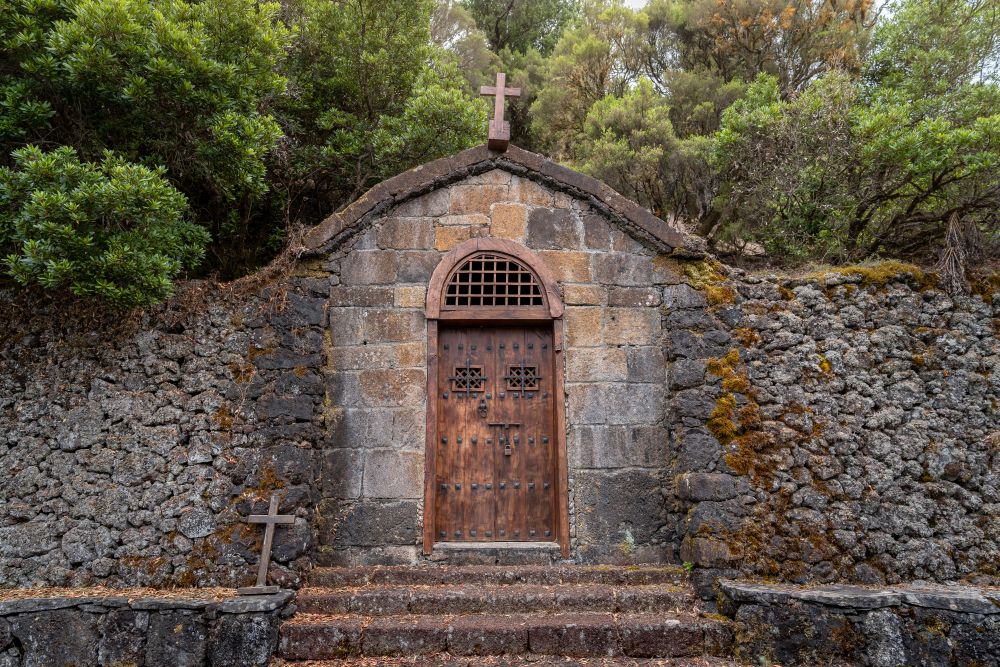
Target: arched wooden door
(495,449)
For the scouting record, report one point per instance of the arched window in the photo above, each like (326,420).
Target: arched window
(492,280)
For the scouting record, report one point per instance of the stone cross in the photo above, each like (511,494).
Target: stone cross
(499,137)
(271,519)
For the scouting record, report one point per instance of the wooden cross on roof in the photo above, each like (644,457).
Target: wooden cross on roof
(271,519)
(499,137)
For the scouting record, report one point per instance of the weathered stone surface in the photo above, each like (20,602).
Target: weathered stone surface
(585,295)
(405,233)
(620,509)
(568,266)
(554,229)
(393,474)
(508,221)
(123,638)
(707,486)
(369,267)
(372,522)
(63,637)
(243,640)
(176,639)
(853,625)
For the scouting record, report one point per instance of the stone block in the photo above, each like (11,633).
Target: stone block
(464,220)
(573,635)
(531,193)
(706,486)
(619,268)
(344,389)
(477,198)
(590,364)
(343,469)
(583,327)
(467,635)
(387,355)
(492,177)
(382,387)
(683,296)
(123,637)
(508,221)
(372,523)
(360,427)
(243,640)
(405,233)
(410,296)
(368,267)
(553,229)
(431,204)
(392,326)
(586,404)
(568,266)
(646,364)
(584,295)
(695,403)
(619,507)
(706,552)
(393,474)
(416,266)
(59,637)
(596,232)
(419,635)
(446,238)
(632,297)
(631,326)
(634,403)
(687,373)
(176,639)
(617,446)
(698,450)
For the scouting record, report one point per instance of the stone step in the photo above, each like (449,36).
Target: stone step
(583,634)
(447,660)
(430,575)
(496,599)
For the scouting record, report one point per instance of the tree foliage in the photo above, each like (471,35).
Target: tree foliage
(520,25)
(812,128)
(114,230)
(262,115)
(848,170)
(370,96)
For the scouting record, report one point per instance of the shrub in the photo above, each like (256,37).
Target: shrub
(113,230)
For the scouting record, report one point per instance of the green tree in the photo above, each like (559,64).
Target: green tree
(600,56)
(630,144)
(836,174)
(161,83)
(113,230)
(370,96)
(520,25)
(793,40)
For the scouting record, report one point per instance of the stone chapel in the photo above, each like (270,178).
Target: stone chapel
(493,360)
(498,383)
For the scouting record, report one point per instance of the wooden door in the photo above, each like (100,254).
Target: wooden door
(495,476)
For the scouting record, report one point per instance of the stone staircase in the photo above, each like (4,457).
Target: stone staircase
(512,615)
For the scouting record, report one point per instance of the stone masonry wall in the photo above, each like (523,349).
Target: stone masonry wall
(841,427)
(133,450)
(615,372)
(837,427)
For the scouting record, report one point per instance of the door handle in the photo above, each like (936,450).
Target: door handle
(483,408)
